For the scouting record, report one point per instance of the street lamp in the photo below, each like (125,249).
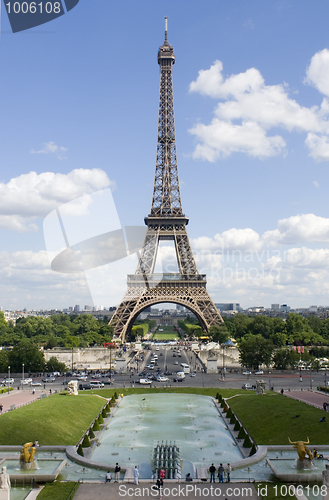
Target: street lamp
(325,380)
(8,378)
(22,376)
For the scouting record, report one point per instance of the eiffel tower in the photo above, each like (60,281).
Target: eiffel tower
(166,221)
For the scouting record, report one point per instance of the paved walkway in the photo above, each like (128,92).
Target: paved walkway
(19,398)
(312,398)
(172,491)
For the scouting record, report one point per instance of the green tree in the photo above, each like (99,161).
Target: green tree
(3,360)
(285,359)
(254,351)
(219,333)
(28,353)
(53,365)
(241,325)
(262,325)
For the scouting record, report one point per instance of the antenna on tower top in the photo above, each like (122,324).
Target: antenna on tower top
(166,29)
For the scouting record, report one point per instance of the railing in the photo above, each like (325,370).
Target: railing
(158,277)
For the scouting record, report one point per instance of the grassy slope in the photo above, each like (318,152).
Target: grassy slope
(54,420)
(269,419)
(63,419)
(56,491)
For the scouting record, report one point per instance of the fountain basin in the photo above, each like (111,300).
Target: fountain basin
(46,470)
(286,470)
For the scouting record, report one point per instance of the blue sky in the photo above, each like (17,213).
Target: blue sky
(79,105)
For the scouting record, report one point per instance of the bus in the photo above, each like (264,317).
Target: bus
(186,367)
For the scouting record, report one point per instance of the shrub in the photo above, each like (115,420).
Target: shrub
(108,407)
(104,414)
(96,426)
(100,419)
(91,433)
(253,450)
(233,420)
(237,426)
(115,396)
(247,442)
(229,413)
(223,403)
(80,450)
(63,393)
(85,442)
(242,434)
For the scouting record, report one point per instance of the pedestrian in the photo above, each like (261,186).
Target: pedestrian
(229,470)
(108,477)
(1,408)
(188,477)
(282,391)
(136,474)
(325,406)
(162,473)
(160,486)
(220,473)
(212,470)
(117,472)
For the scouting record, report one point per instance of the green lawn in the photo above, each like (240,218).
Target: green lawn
(63,419)
(54,420)
(165,336)
(57,491)
(269,419)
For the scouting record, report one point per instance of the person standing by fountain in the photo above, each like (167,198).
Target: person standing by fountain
(229,470)
(117,472)
(220,473)
(136,474)
(212,470)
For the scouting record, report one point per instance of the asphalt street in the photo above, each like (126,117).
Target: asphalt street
(170,360)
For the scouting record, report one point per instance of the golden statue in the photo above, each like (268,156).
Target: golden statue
(27,456)
(302,450)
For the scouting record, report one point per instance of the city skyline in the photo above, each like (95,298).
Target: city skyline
(79,107)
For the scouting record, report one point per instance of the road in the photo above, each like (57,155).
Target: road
(168,360)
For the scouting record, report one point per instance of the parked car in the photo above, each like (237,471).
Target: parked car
(7,381)
(49,379)
(36,384)
(246,373)
(83,386)
(163,379)
(145,381)
(259,372)
(96,384)
(247,387)
(26,381)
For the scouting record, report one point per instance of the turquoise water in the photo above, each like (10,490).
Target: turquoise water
(190,421)
(42,467)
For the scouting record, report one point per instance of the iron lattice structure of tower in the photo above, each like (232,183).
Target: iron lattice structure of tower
(166,221)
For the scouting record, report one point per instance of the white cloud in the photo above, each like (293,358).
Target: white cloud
(233,239)
(220,139)
(52,148)
(250,109)
(316,184)
(32,195)
(27,272)
(317,74)
(318,146)
(298,229)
